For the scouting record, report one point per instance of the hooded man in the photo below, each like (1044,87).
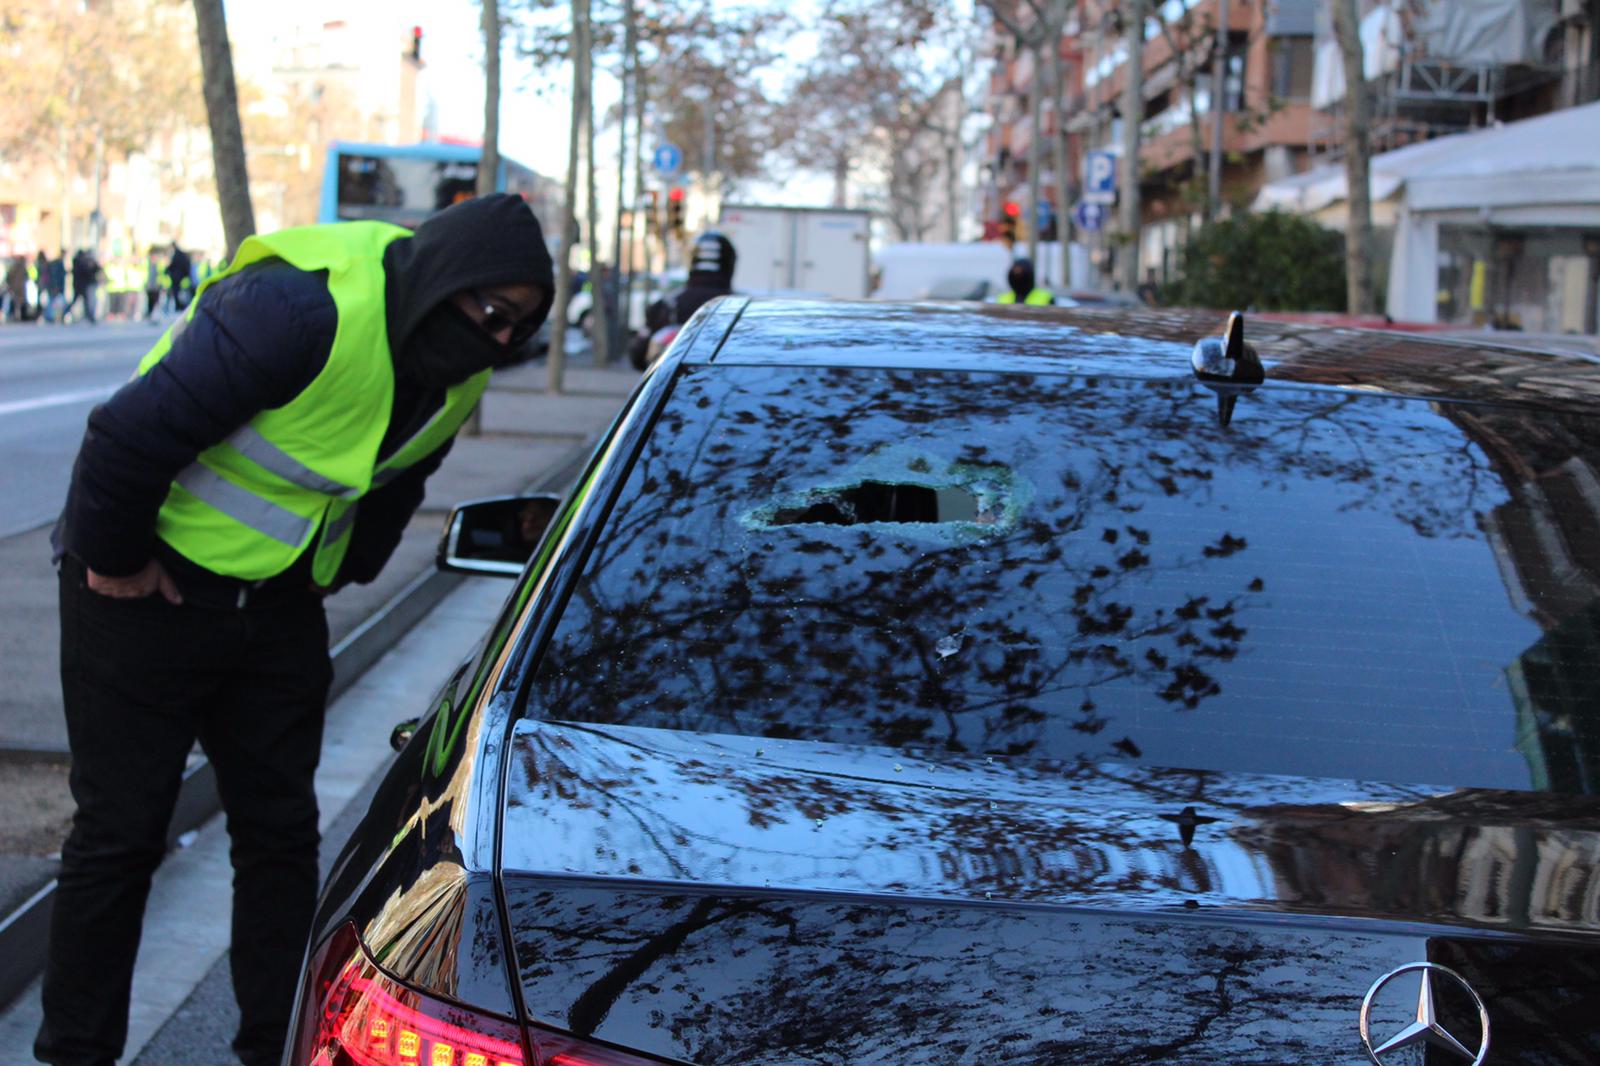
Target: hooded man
(1023,290)
(710,276)
(271,449)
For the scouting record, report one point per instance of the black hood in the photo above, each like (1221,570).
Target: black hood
(713,262)
(490,240)
(1020,277)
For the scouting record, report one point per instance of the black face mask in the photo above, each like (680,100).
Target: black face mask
(447,348)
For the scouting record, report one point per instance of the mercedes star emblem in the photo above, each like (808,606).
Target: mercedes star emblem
(1426,1029)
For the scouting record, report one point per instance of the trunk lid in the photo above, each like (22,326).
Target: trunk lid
(715,898)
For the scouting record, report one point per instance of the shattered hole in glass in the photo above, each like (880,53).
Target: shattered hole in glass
(905,488)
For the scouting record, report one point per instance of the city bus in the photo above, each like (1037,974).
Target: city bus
(405,183)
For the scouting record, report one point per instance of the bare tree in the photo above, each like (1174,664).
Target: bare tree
(1219,65)
(1133,12)
(489,165)
(1357,156)
(600,326)
(1184,37)
(557,361)
(222,109)
(622,243)
(1040,31)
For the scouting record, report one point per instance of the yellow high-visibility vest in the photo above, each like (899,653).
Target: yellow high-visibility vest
(249,506)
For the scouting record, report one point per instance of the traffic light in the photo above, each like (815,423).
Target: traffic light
(675,210)
(1008,221)
(652,211)
(416,43)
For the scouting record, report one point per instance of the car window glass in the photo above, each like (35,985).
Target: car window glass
(1068,567)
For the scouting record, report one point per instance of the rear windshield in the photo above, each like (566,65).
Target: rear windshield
(1064,568)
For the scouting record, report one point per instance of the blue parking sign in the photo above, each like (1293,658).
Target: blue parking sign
(1100,178)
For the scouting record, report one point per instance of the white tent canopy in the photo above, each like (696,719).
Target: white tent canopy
(1542,171)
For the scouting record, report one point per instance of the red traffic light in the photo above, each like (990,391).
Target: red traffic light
(675,193)
(1012,208)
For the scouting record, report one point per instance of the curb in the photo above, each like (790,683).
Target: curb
(25,932)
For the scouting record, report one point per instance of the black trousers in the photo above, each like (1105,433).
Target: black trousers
(141,680)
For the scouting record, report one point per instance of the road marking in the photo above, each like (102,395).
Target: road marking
(57,399)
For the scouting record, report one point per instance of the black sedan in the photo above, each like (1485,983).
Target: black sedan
(938,684)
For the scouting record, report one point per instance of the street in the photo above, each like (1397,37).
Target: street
(49,379)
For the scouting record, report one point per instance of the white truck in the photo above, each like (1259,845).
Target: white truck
(815,251)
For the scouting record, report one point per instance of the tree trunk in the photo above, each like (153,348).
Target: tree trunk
(1357,156)
(1058,142)
(489,161)
(599,321)
(1035,157)
(641,93)
(1219,109)
(1132,116)
(489,166)
(618,333)
(222,110)
(557,361)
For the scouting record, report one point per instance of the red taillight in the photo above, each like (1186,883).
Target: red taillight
(353,1014)
(356,1015)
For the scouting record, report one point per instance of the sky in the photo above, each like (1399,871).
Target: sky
(533,126)
(535,111)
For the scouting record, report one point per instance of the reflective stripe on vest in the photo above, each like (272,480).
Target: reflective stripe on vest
(248,442)
(244,506)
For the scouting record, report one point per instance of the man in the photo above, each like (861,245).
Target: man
(17,288)
(710,276)
(180,279)
(152,284)
(55,287)
(1023,290)
(271,449)
(85,281)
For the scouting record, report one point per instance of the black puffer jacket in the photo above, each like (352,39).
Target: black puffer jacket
(710,276)
(256,340)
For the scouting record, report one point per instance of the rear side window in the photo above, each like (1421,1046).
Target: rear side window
(1066,568)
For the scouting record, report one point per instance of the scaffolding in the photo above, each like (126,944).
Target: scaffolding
(1432,70)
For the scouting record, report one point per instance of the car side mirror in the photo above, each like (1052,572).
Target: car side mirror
(495,535)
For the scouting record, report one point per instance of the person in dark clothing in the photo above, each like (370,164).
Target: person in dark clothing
(152,285)
(17,289)
(710,276)
(53,279)
(180,281)
(1022,287)
(85,280)
(325,374)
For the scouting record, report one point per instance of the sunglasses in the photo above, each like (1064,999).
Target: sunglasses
(492,320)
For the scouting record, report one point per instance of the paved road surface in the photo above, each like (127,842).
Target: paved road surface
(49,378)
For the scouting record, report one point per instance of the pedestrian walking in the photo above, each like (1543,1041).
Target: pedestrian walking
(152,283)
(179,279)
(17,289)
(271,450)
(55,285)
(86,274)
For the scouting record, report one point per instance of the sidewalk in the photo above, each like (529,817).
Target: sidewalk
(527,435)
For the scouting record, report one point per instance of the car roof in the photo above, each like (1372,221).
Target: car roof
(1135,342)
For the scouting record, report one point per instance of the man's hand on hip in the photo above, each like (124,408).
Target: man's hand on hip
(152,579)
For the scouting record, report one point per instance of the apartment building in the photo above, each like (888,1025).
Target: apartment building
(1265,110)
